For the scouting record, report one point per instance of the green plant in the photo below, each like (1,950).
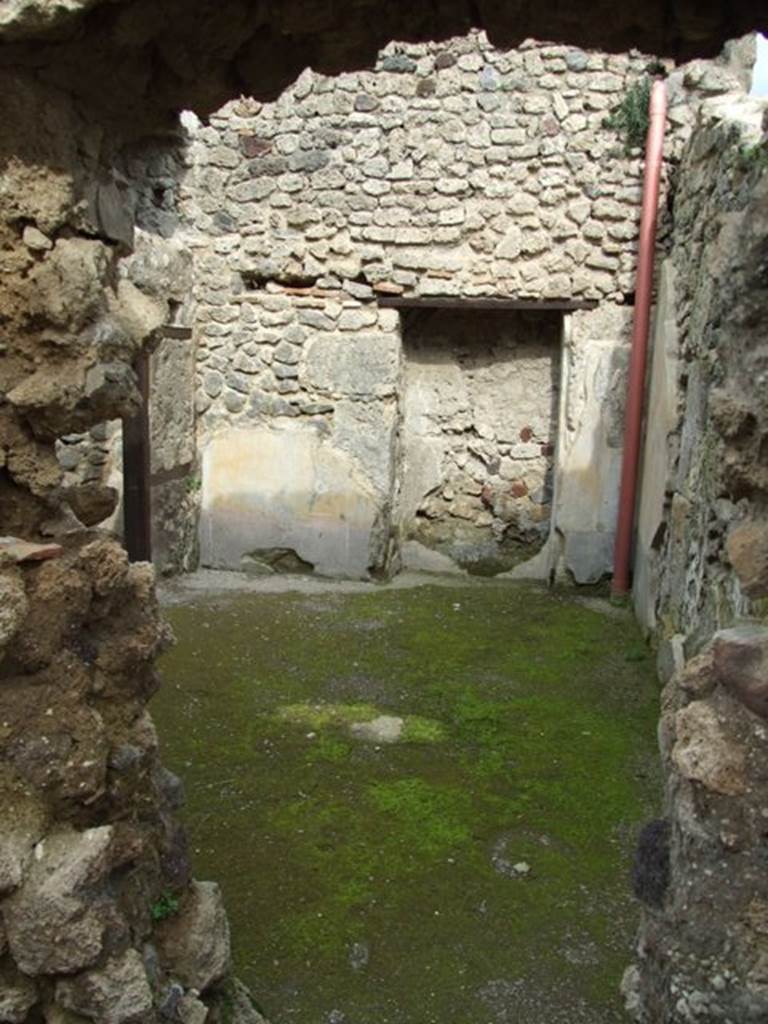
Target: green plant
(164,906)
(629,118)
(751,156)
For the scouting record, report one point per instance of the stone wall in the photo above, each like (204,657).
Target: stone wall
(453,170)
(90,856)
(704,472)
(99,916)
(703,565)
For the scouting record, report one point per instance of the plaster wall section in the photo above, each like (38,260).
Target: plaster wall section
(450,170)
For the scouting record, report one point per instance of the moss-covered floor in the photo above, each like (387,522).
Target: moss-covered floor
(473,871)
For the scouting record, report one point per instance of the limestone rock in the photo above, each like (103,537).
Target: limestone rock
(194,944)
(58,1015)
(18,994)
(69,283)
(15,853)
(232,1004)
(92,503)
(116,992)
(705,753)
(741,664)
(22,824)
(698,677)
(22,17)
(510,246)
(748,551)
(35,240)
(54,924)
(106,563)
(13,605)
(191,1011)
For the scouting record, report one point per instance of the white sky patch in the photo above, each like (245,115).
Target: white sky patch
(760,72)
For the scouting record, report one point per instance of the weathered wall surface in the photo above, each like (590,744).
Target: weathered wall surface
(453,170)
(708,391)
(160,265)
(703,554)
(91,856)
(88,845)
(480,396)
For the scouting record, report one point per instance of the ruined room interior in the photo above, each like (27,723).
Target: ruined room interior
(318,326)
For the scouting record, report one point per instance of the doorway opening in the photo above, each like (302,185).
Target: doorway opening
(479,422)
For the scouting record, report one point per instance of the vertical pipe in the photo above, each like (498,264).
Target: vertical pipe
(137,518)
(633,422)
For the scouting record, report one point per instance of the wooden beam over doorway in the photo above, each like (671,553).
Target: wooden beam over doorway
(484,303)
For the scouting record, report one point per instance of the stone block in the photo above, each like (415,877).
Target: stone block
(13,605)
(193,944)
(18,994)
(747,548)
(116,992)
(363,366)
(705,752)
(54,924)
(741,664)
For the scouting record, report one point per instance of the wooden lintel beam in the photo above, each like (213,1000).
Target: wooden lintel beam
(484,303)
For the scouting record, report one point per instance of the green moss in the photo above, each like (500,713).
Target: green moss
(165,906)
(429,820)
(417,729)
(320,716)
(328,748)
(529,724)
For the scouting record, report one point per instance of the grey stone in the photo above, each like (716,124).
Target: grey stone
(238,382)
(287,353)
(270,166)
(576,60)
(314,318)
(13,607)
(399,63)
(365,103)
(310,161)
(18,994)
(116,992)
(489,78)
(234,401)
(445,59)
(285,371)
(193,945)
(115,212)
(741,664)
(54,925)
(35,239)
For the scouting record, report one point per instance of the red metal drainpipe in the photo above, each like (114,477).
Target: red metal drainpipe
(633,423)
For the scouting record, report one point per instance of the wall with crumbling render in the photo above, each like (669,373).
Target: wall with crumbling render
(453,169)
(87,841)
(703,570)
(99,917)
